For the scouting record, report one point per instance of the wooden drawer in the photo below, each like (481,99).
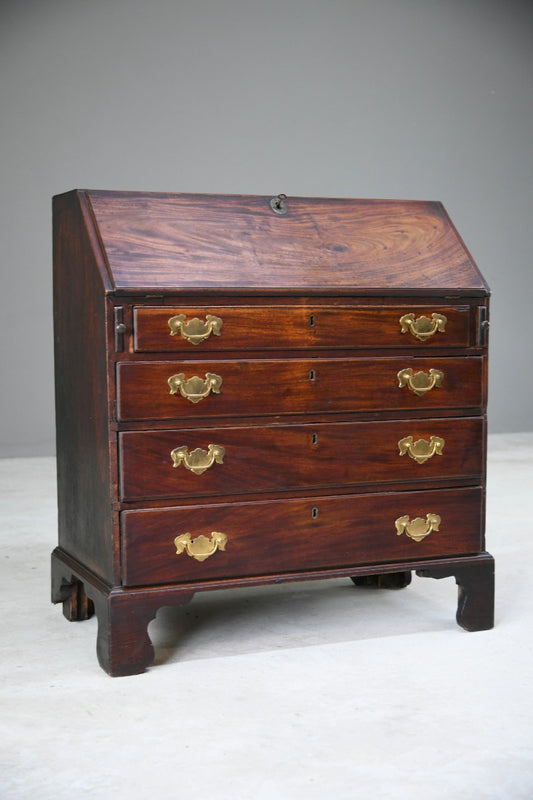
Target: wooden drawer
(282,536)
(280,458)
(266,387)
(217,328)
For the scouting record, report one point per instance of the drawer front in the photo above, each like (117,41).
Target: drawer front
(236,460)
(187,390)
(244,539)
(216,328)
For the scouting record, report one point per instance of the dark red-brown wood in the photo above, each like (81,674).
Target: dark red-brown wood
(257,387)
(309,413)
(180,241)
(282,458)
(124,647)
(475,582)
(298,328)
(85,473)
(285,535)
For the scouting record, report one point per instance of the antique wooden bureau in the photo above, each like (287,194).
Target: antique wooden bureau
(252,390)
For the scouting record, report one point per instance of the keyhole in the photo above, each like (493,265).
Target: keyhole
(312,320)
(314,438)
(314,512)
(312,375)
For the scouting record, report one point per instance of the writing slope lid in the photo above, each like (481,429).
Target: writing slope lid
(184,242)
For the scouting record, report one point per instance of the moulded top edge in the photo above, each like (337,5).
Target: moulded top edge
(457,295)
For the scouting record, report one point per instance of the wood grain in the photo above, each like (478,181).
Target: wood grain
(184,241)
(84,466)
(309,411)
(295,327)
(283,458)
(280,536)
(263,387)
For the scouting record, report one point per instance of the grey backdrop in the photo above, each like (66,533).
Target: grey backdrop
(421,99)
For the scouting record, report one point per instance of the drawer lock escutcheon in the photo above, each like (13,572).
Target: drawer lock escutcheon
(421,450)
(420,382)
(201,547)
(417,528)
(423,328)
(198,461)
(195,388)
(195,330)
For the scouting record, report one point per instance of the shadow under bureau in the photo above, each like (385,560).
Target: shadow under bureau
(252,390)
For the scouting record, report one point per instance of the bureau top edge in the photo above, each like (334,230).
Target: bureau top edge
(350,293)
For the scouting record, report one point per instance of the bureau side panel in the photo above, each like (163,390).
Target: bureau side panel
(82,429)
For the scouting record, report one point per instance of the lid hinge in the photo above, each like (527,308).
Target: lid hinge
(482,325)
(120,329)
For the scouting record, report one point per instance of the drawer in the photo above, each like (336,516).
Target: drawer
(261,538)
(217,328)
(265,387)
(281,458)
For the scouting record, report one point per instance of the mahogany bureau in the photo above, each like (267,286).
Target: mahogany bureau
(252,390)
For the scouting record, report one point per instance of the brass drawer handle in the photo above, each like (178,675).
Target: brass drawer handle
(198,460)
(195,388)
(201,547)
(420,382)
(195,331)
(417,528)
(421,450)
(423,328)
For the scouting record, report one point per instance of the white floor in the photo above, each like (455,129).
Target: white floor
(313,691)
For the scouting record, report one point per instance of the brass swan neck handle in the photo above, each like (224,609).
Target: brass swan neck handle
(201,547)
(420,382)
(421,450)
(417,528)
(194,330)
(195,388)
(423,328)
(198,460)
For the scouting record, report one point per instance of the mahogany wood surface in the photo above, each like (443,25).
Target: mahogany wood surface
(309,411)
(287,457)
(184,241)
(282,536)
(475,581)
(270,386)
(84,456)
(131,651)
(298,327)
